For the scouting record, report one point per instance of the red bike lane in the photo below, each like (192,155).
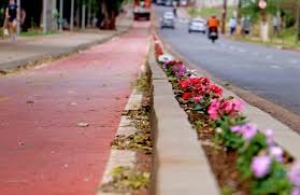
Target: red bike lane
(43,149)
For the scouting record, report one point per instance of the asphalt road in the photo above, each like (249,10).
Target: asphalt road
(268,72)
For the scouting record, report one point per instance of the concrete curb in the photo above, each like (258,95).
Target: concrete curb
(181,166)
(284,136)
(124,157)
(33,61)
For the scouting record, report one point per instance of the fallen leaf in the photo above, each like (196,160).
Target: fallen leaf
(83,124)
(73,103)
(30,102)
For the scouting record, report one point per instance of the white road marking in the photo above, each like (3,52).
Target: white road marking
(293,61)
(276,67)
(269,57)
(232,48)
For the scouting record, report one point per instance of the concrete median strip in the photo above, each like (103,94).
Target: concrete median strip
(181,165)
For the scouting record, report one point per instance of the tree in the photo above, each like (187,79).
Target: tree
(251,8)
(108,11)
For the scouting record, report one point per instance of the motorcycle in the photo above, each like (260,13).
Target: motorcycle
(213,34)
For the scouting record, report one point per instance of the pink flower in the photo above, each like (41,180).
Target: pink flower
(277,153)
(237,129)
(269,133)
(237,104)
(213,109)
(197,98)
(249,131)
(260,166)
(296,191)
(227,106)
(294,174)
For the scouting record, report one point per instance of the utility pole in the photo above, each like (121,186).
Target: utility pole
(239,15)
(298,23)
(61,12)
(72,15)
(44,16)
(83,17)
(19,12)
(224,14)
(89,12)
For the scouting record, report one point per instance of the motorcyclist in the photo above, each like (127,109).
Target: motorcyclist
(213,24)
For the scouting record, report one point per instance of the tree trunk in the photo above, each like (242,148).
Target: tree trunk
(264,26)
(109,11)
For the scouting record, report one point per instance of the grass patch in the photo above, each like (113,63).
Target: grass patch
(206,12)
(37,32)
(138,142)
(127,179)
(143,83)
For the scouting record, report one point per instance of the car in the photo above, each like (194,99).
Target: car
(197,25)
(183,2)
(159,2)
(168,3)
(168,20)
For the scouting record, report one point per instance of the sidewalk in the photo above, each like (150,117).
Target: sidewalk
(44,148)
(30,50)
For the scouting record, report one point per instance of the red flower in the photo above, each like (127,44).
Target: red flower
(187,95)
(215,89)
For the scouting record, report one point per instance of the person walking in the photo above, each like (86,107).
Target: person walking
(12,15)
(275,23)
(232,25)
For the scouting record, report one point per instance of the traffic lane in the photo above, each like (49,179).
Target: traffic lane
(274,79)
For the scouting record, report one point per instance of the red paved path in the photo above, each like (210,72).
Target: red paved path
(42,150)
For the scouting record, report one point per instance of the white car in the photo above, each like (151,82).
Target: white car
(183,2)
(168,20)
(197,25)
(159,2)
(168,3)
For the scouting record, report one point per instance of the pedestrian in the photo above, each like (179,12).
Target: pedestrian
(175,11)
(275,23)
(232,25)
(12,15)
(246,25)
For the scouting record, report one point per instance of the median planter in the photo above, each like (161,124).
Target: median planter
(244,159)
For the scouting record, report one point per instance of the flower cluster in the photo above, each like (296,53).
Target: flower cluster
(259,158)
(224,107)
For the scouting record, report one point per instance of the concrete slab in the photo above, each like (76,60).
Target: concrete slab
(181,164)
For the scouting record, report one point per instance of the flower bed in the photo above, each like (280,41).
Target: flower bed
(243,159)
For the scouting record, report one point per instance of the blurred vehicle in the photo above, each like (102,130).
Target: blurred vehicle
(142,9)
(213,34)
(159,2)
(183,2)
(168,3)
(197,25)
(168,20)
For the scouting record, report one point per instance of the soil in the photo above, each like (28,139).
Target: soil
(144,164)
